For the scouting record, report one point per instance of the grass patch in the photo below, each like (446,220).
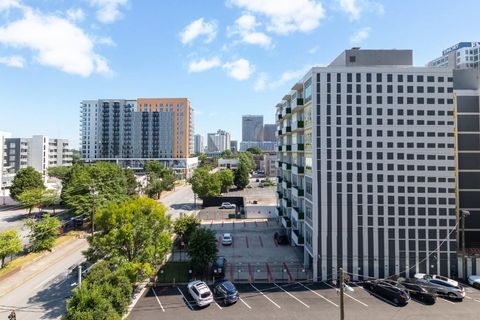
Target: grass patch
(31,257)
(174,270)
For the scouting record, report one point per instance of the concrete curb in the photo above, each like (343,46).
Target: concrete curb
(141,291)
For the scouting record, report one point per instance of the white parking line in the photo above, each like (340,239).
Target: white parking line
(318,294)
(245,303)
(366,305)
(443,299)
(158,300)
(291,295)
(472,298)
(184,298)
(265,296)
(218,305)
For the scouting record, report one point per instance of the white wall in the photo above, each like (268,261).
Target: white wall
(252,212)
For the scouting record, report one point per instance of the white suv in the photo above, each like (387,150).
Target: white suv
(227,205)
(200,292)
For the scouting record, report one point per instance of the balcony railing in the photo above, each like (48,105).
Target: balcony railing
(286,223)
(279,132)
(288,110)
(299,101)
(288,129)
(297,238)
(288,147)
(300,124)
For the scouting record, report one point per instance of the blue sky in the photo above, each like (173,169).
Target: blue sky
(229,57)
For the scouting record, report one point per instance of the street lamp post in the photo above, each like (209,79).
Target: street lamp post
(94,194)
(464,213)
(4,186)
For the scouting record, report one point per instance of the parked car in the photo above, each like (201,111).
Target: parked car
(226,291)
(281,237)
(200,292)
(474,281)
(441,285)
(218,268)
(227,239)
(386,290)
(227,205)
(419,293)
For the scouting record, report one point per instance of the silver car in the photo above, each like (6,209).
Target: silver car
(441,286)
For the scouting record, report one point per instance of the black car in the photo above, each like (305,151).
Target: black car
(225,291)
(388,291)
(219,266)
(281,237)
(419,293)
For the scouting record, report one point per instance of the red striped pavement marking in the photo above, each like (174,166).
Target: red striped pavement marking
(246,241)
(275,241)
(211,224)
(269,273)
(250,272)
(218,242)
(290,278)
(266,221)
(256,223)
(233,224)
(222,222)
(261,241)
(244,224)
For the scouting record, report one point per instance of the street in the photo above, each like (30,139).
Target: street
(39,290)
(180,201)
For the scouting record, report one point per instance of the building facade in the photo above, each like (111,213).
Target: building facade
(218,141)
(234,145)
(366,166)
(199,145)
(269,132)
(137,130)
(3,169)
(39,152)
(252,128)
(263,145)
(459,56)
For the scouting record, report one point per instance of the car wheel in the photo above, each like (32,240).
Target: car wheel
(476,285)
(452,295)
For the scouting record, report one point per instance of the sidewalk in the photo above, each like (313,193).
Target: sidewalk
(41,264)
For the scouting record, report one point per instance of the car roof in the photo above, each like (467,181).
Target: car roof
(419,275)
(227,234)
(201,286)
(474,277)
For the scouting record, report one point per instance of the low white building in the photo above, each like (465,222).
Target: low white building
(228,164)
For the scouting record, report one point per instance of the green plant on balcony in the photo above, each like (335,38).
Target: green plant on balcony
(279,117)
(289,166)
(300,146)
(301,240)
(289,147)
(301,215)
(299,101)
(288,129)
(279,148)
(289,203)
(289,184)
(288,110)
(300,124)
(300,169)
(300,192)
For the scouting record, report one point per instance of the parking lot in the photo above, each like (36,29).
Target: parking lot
(298,301)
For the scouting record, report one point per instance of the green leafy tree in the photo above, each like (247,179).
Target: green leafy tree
(247,159)
(10,243)
(154,169)
(131,182)
(43,233)
(95,184)
(255,150)
(227,154)
(26,179)
(154,189)
(135,231)
(76,158)
(185,225)
(226,178)
(168,180)
(50,198)
(205,184)
(31,198)
(242,178)
(202,248)
(59,172)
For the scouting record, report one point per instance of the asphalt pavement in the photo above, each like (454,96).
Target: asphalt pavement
(180,201)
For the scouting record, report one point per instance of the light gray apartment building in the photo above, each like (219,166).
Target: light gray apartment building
(463,55)
(252,128)
(366,166)
(218,142)
(199,145)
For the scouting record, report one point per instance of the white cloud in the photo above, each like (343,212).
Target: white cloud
(355,8)
(108,11)
(13,61)
(245,27)
(8,4)
(75,14)
(55,42)
(203,64)
(313,50)
(360,35)
(240,69)
(107,41)
(288,77)
(286,16)
(198,28)
(261,82)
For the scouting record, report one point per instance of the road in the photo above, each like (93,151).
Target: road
(40,292)
(180,201)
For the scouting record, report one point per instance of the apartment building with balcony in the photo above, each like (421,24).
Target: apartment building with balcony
(219,141)
(131,132)
(366,166)
(39,152)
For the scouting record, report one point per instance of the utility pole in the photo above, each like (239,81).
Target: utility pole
(80,275)
(465,213)
(4,186)
(94,194)
(342,310)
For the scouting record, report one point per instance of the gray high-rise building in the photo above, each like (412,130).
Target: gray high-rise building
(199,145)
(269,132)
(218,142)
(252,128)
(367,166)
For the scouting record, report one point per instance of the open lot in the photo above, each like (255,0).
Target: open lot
(298,301)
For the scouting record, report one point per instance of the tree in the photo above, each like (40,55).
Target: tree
(185,225)
(31,198)
(154,189)
(26,179)
(43,233)
(95,184)
(247,159)
(202,248)
(10,243)
(135,231)
(226,178)
(76,158)
(131,181)
(168,180)
(59,172)
(227,154)
(154,169)
(50,198)
(255,150)
(205,184)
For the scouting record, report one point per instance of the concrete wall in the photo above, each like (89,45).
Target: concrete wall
(252,212)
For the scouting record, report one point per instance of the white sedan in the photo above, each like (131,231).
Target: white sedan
(227,239)
(474,281)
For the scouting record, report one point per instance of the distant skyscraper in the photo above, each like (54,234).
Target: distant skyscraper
(199,145)
(463,55)
(269,132)
(218,142)
(252,128)
(234,145)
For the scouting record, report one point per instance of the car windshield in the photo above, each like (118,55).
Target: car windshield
(229,287)
(205,294)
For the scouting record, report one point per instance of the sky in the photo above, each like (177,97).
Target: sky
(229,57)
